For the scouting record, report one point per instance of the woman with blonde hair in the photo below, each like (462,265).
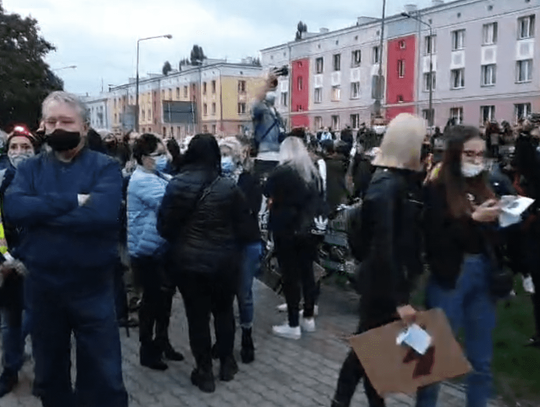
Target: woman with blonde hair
(388,243)
(294,190)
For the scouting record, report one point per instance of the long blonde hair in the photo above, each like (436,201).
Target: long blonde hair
(293,153)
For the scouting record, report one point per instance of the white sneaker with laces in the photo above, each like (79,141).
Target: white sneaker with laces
(308,324)
(287,331)
(528,285)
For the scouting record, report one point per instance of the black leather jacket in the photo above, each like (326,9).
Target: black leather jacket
(204,234)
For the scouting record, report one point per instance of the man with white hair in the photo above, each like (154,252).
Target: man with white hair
(68,200)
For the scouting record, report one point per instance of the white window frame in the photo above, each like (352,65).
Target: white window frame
(336,62)
(401,68)
(426,81)
(526,27)
(525,107)
(336,93)
(430,41)
(241,108)
(319,65)
(457,114)
(490,113)
(458,40)
(489,34)
(356,58)
(376,55)
(425,114)
(335,123)
(317,122)
(317,96)
(524,71)
(355,90)
(355,121)
(489,75)
(457,75)
(284,101)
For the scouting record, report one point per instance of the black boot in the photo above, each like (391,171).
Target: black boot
(247,353)
(150,356)
(228,369)
(172,354)
(203,378)
(8,381)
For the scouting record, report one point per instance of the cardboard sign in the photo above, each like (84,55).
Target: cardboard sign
(394,368)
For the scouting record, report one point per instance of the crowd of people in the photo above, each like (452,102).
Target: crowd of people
(99,232)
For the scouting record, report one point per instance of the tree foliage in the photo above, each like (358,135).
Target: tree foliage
(197,55)
(166,68)
(25,77)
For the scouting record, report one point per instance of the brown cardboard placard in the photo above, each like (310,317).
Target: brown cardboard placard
(399,369)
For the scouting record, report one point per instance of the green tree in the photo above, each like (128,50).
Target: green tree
(166,68)
(25,77)
(197,55)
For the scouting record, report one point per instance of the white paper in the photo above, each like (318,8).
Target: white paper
(512,208)
(415,337)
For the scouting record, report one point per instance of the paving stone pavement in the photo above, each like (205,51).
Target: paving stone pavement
(286,373)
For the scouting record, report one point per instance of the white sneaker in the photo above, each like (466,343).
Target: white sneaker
(286,331)
(528,285)
(282,307)
(308,324)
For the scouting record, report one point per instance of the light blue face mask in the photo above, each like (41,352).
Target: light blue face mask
(227,165)
(161,163)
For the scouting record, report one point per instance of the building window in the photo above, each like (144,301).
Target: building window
(430,44)
(337,62)
(522,110)
(318,95)
(526,27)
(300,83)
(402,45)
(426,81)
(489,75)
(401,68)
(185,91)
(178,131)
(213,87)
(164,133)
(524,71)
(213,108)
(284,99)
(376,55)
(241,86)
(355,90)
(458,40)
(456,113)
(355,121)
(177,93)
(299,108)
(213,129)
(205,128)
(241,108)
(317,122)
(170,94)
(335,123)
(205,109)
(458,78)
(487,113)
(336,93)
(356,58)
(489,34)
(426,116)
(204,88)
(319,65)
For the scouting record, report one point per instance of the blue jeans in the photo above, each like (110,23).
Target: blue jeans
(251,266)
(471,307)
(87,311)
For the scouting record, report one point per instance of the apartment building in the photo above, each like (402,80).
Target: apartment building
(483,57)
(214,97)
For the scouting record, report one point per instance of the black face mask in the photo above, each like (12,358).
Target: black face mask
(62,140)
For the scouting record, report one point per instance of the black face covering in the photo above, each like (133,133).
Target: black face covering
(62,140)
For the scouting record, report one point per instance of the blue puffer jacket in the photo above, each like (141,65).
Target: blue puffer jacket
(144,195)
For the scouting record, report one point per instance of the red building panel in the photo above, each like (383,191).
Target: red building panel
(401,70)
(300,86)
(300,120)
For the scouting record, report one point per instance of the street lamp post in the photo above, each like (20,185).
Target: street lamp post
(380,85)
(168,36)
(430,108)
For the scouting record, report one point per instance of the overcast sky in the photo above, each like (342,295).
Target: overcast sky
(100,36)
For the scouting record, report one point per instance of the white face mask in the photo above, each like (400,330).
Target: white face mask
(470,170)
(379,129)
(16,159)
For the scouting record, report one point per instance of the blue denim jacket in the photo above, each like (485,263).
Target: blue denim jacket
(266,122)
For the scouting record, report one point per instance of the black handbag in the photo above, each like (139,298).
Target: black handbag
(501,279)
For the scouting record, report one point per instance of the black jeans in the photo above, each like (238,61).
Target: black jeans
(154,312)
(352,371)
(295,256)
(208,294)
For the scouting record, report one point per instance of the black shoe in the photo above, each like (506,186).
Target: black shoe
(8,381)
(204,380)
(247,353)
(171,354)
(228,369)
(150,356)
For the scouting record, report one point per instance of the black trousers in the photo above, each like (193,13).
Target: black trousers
(295,255)
(155,310)
(208,294)
(352,371)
